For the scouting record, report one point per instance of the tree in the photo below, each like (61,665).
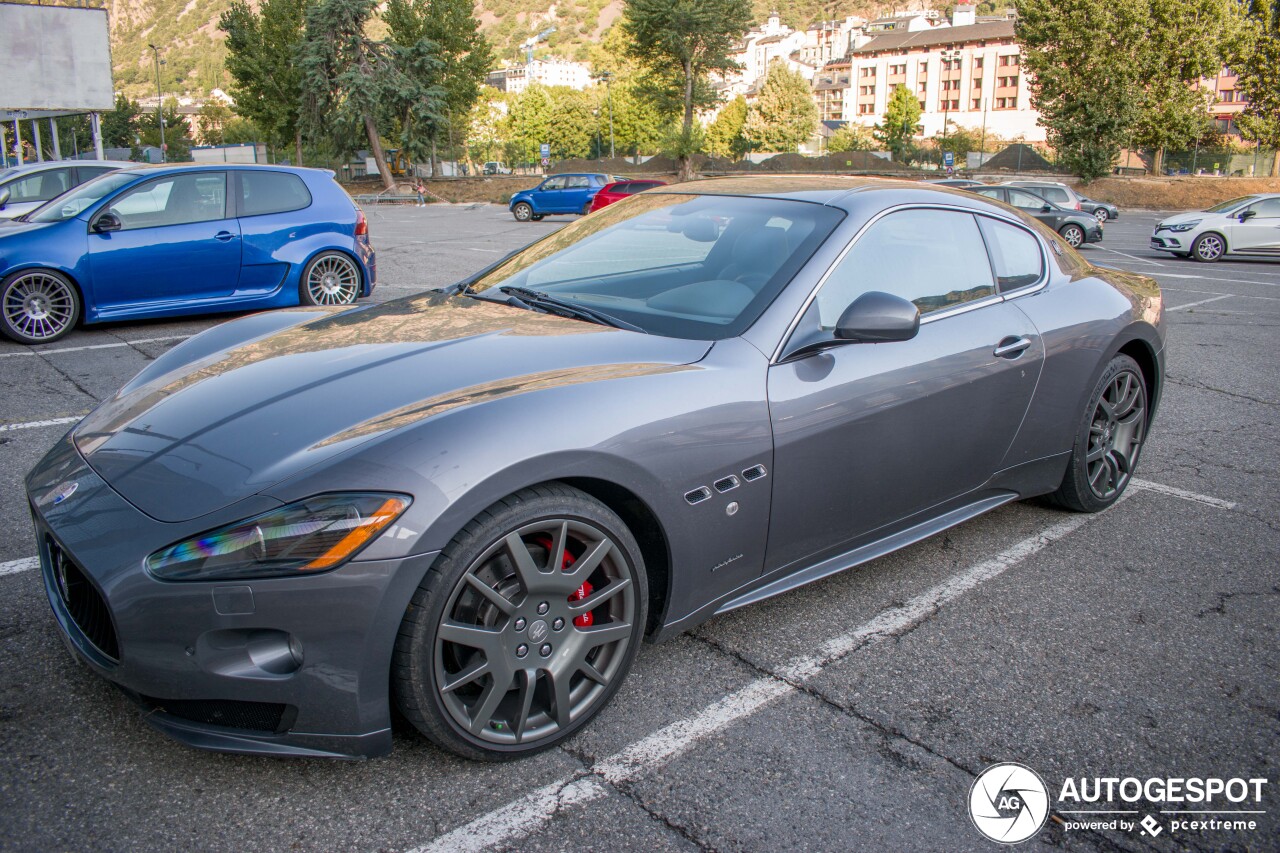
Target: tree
(262,54)
(852,137)
(120,126)
(177,131)
(784,115)
(1255,57)
(211,122)
(529,122)
(901,123)
(680,42)
(486,126)
(724,136)
(573,126)
(346,75)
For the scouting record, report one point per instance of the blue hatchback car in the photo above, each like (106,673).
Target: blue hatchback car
(558,194)
(178,240)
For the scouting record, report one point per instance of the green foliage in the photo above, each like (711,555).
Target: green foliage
(177,132)
(120,126)
(724,136)
(852,137)
(784,116)
(529,122)
(262,51)
(1255,57)
(901,123)
(211,123)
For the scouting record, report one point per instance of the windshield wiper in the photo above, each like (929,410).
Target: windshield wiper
(551,304)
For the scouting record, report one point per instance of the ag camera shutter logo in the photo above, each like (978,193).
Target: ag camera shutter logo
(1008,803)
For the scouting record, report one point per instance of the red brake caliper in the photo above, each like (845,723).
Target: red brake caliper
(586,620)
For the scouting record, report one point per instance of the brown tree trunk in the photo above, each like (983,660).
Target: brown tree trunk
(686,156)
(1157,162)
(297,144)
(1275,164)
(379,157)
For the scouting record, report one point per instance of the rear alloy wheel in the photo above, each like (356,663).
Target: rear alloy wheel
(1073,234)
(524,628)
(1208,247)
(38,306)
(523,212)
(1108,441)
(1101,214)
(331,278)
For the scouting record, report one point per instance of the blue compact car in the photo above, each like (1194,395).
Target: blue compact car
(558,194)
(178,240)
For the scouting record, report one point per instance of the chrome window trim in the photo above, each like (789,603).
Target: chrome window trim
(940,314)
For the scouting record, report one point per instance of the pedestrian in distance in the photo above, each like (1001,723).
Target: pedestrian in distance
(421,190)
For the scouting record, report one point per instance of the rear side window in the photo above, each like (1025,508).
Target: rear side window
(1054,194)
(1015,254)
(575,182)
(271,192)
(41,186)
(637,187)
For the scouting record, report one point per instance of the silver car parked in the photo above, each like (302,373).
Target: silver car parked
(1248,226)
(26,187)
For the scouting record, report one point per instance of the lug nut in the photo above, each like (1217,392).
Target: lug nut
(543,608)
(558,624)
(545,651)
(519,623)
(522,650)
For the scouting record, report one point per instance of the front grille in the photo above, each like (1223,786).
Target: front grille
(230,713)
(83,602)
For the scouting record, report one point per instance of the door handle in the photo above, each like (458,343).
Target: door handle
(224,236)
(1011,347)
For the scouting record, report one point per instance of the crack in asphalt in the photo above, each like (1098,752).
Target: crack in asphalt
(1205,387)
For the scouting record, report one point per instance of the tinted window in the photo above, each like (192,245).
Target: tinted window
(638,186)
(553,184)
(1055,194)
(1224,206)
(1026,201)
(934,258)
(577,182)
(173,200)
(271,192)
(88,173)
(1015,254)
(995,194)
(41,186)
(81,199)
(1268,208)
(698,267)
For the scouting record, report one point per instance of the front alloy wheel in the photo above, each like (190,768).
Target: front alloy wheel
(1208,248)
(1101,214)
(523,212)
(525,628)
(331,278)
(1074,235)
(38,306)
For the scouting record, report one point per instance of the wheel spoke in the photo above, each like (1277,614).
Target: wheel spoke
(492,595)
(468,675)
(599,597)
(610,633)
(487,704)
(594,674)
(528,681)
(1096,453)
(488,641)
(561,704)
(1106,408)
(558,544)
(588,563)
(522,559)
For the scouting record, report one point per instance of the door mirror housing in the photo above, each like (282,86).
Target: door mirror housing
(107,222)
(878,317)
(1245,215)
(1046,208)
(4,198)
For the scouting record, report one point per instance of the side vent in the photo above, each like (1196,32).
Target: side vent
(698,495)
(755,472)
(726,484)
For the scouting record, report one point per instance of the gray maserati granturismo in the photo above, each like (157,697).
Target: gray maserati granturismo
(473,504)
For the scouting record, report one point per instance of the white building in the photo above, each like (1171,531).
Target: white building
(828,41)
(761,46)
(548,72)
(967,74)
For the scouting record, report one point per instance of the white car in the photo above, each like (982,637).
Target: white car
(1248,226)
(26,187)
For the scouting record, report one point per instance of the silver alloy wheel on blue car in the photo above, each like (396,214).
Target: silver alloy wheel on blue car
(331,278)
(523,212)
(39,306)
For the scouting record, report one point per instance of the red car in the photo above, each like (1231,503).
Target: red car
(618,190)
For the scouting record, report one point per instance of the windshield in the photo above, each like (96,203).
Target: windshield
(1227,205)
(71,204)
(685,266)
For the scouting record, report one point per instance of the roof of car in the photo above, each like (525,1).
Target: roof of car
(54,164)
(834,190)
(165,168)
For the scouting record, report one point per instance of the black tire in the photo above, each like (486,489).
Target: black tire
(38,306)
(489,686)
(523,212)
(537,217)
(1109,440)
(1209,247)
(1073,234)
(330,278)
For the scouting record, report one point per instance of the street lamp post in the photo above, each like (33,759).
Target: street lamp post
(948,56)
(159,102)
(607,77)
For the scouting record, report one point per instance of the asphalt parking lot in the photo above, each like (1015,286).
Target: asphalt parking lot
(853,714)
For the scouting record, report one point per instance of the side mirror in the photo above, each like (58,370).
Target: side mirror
(1245,215)
(107,222)
(4,198)
(877,317)
(1047,208)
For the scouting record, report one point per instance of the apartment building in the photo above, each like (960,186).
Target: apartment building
(548,72)
(1228,100)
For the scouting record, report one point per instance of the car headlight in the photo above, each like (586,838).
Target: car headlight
(308,536)
(1182,226)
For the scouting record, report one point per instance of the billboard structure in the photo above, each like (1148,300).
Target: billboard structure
(56,61)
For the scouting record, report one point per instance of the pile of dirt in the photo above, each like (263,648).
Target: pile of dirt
(1184,193)
(1019,158)
(614,166)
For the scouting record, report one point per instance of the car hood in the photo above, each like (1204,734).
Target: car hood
(1189,216)
(12,227)
(192,437)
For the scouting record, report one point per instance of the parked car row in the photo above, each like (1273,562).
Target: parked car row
(26,187)
(574,193)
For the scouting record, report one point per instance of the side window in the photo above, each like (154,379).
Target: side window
(271,192)
(577,182)
(995,194)
(88,173)
(173,200)
(1268,208)
(934,258)
(1026,201)
(553,184)
(1015,254)
(41,186)
(1057,195)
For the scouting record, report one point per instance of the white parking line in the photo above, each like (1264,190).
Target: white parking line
(526,815)
(1215,278)
(12,567)
(38,424)
(1201,302)
(1181,493)
(94,346)
(1130,257)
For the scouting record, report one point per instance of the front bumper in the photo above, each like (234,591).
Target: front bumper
(286,666)
(1093,234)
(1171,241)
